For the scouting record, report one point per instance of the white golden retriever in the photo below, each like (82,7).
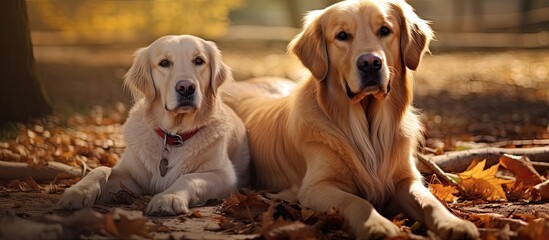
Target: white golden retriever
(183,143)
(346,137)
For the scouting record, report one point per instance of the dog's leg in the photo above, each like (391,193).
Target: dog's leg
(99,185)
(417,202)
(191,188)
(120,179)
(364,220)
(87,191)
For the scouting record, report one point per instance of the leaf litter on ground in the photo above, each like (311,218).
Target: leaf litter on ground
(96,140)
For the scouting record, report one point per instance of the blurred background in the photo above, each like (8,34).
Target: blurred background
(487,78)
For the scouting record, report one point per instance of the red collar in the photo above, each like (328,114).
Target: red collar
(176,139)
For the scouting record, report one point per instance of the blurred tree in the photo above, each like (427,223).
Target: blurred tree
(138,18)
(21,93)
(296,12)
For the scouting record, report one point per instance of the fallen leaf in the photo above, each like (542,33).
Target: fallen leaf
(284,229)
(483,183)
(196,214)
(27,185)
(519,191)
(473,164)
(110,225)
(245,207)
(542,190)
(443,193)
(32,184)
(522,168)
(127,227)
(536,229)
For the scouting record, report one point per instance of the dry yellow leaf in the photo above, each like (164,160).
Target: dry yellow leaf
(443,193)
(484,183)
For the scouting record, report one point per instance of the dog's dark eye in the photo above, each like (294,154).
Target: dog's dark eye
(198,61)
(165,63)
(342,36)
(384,31)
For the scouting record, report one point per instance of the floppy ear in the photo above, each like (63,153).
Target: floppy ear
(138,79)
(220,72)
(310,46)
(415,34)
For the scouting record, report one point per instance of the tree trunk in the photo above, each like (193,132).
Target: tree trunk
(21,94)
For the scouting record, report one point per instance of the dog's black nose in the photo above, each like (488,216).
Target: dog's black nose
(369,62)
(185,88)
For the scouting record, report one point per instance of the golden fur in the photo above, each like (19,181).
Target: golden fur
(325,147)
(208,165)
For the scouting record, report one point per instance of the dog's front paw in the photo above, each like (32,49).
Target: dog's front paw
(80,196)
(168,204)
(377,228)
(455,228)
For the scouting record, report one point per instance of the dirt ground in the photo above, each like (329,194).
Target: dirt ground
(465,96)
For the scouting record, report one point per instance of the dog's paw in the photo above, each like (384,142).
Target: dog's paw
(455,228)
(168,204)
(80,196)
(377,228)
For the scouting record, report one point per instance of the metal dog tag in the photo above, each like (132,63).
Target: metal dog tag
(163,166)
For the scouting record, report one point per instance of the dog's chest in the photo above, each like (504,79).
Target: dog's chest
(177,161)
(374,161)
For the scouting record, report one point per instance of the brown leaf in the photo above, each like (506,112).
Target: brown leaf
(284,229)
(27,185)
(542,190)
(110,225)
(128,227)
(196,214)
(536,229)
(14,184)
(245,207)
(523,170)
(31,184)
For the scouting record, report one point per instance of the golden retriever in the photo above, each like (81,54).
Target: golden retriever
(183,143)
(346,137)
